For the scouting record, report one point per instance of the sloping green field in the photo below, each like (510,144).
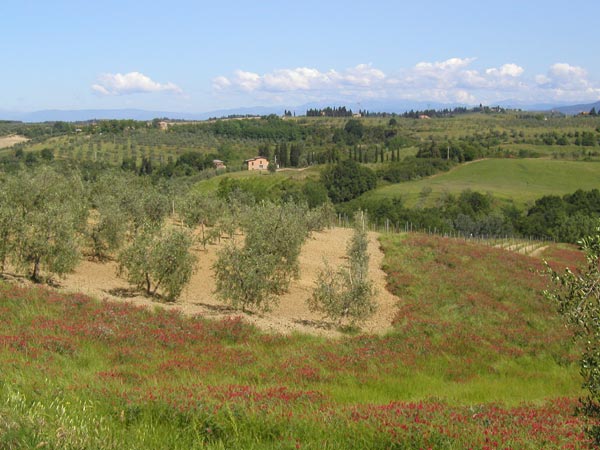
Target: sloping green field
(522,180)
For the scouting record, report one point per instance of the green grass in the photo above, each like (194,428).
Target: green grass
(518,180)
(475,354)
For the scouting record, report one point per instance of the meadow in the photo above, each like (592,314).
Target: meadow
(476,359)
(516,180)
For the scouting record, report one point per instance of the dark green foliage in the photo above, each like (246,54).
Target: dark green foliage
(473,203)
(265,150)
(295,154)
(459,151)
(354,131)
(347,180)
(190,162)
(315,193)
(270,127)
(129,164)
(283,155)
(565,219)
(471,214)
(146,167)
(413,168)
(329,112)
(47,154)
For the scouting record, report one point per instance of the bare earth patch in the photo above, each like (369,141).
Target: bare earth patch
(9,141)
(290,315)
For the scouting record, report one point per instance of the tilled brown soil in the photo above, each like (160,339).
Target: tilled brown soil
(100,280)
(9,141)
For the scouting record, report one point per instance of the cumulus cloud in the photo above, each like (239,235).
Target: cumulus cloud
(565,76)
(440,67)
(507,70)
(131,83)
(454,80)
(568,83)
(300,79)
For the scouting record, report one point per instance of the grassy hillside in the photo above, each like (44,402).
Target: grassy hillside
(520,180)
(467,351)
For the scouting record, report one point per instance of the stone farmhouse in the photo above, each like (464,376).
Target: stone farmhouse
(257,163)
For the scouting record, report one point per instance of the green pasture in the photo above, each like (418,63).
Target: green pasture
(518,180)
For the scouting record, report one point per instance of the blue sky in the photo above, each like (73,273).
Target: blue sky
(196,56)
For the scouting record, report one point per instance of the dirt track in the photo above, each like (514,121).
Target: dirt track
(99,280)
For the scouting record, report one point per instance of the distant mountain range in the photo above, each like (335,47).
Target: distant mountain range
(576,109)
(375,106)
(81,115)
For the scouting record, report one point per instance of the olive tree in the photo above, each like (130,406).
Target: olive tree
(144,205)
(199,209)
(245,278)
(278,231)
(577,296)
(49,215)
(251,276)
(109,220)
(347,294)
(9,221)
(160,259)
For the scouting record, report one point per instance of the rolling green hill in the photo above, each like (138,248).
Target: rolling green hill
(519,180)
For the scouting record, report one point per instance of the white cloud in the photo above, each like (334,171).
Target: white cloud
(221,83)
(454,80)
(565,76)
(565,82)
(507,70)
(452,64)
(462,96)
(301,79)
(542,80)
(131,83)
